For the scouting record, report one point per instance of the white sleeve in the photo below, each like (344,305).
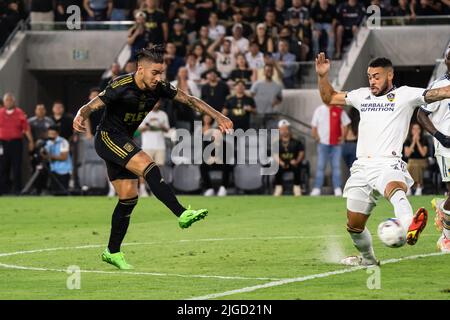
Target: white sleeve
(64,146)
(353,98)
(415,96)
(430,107)
(315,118)
(345,120)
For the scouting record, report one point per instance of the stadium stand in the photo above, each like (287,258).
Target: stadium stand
(48,62)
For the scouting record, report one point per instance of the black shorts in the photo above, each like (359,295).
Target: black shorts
(116,149)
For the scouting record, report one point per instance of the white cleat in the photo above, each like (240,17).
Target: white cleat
(209,192)
(222,192)
(338,192)
(297,191)
(315,192)
(418,192)
(443,244)
(278,190)
(355,261)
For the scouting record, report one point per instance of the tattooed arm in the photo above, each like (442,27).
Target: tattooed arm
(225,124)
(84,112)
(437,94)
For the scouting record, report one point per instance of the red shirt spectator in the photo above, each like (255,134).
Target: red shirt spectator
(13,123)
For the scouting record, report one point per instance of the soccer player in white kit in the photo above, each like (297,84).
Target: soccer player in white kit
(385,113)
(435,118)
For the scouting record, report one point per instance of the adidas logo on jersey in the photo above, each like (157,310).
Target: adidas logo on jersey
(368,98)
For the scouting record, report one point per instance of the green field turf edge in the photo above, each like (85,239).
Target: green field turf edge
(243,238)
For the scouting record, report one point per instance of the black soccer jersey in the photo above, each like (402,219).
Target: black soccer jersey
(289,151)
(236,111)
(127,105)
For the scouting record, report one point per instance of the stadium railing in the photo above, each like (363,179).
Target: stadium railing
(81,26)
(21,26)
(417,20)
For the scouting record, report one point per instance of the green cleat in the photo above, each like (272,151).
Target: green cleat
(189,216)
(116,259)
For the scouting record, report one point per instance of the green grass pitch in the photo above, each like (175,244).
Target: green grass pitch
(244,242)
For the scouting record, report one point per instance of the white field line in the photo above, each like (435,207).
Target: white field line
(7,254)
(9,266)
(157,274)
(306,278)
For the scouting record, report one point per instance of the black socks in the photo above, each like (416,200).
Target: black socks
(161,190)
(120,222)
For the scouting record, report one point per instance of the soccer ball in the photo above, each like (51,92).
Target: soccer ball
(391,233)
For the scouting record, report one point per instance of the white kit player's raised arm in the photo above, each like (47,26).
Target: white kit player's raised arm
(327,92)
(330,96)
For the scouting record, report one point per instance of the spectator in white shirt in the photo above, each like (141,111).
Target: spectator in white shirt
(225,59)
(183,82)
(194,68)
(152,129)
(215,30)
(239,44)
(254,57)
(329,127)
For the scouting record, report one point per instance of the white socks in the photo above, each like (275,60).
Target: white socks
(446,222)
(402,208)
(363,242)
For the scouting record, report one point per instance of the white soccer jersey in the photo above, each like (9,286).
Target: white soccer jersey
(440,115)
(385,120)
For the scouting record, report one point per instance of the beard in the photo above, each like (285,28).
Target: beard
(384,88)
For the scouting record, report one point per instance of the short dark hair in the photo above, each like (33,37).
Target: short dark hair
(54,128)
(153,54)
(58,101)
(380,62)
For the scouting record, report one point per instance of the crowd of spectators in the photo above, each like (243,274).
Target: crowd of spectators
(236,55)
(307,26)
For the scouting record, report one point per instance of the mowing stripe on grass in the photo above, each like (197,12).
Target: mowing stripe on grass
(305,278)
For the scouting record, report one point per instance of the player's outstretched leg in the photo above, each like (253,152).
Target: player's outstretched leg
(362,239)
(186,217)
(119,227)
(395,192)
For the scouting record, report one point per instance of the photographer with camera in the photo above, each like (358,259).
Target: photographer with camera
(57,152)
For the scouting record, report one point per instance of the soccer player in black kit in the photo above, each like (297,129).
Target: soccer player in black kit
(127,100)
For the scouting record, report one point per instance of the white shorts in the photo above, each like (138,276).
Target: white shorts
(369,178)
(444,167)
